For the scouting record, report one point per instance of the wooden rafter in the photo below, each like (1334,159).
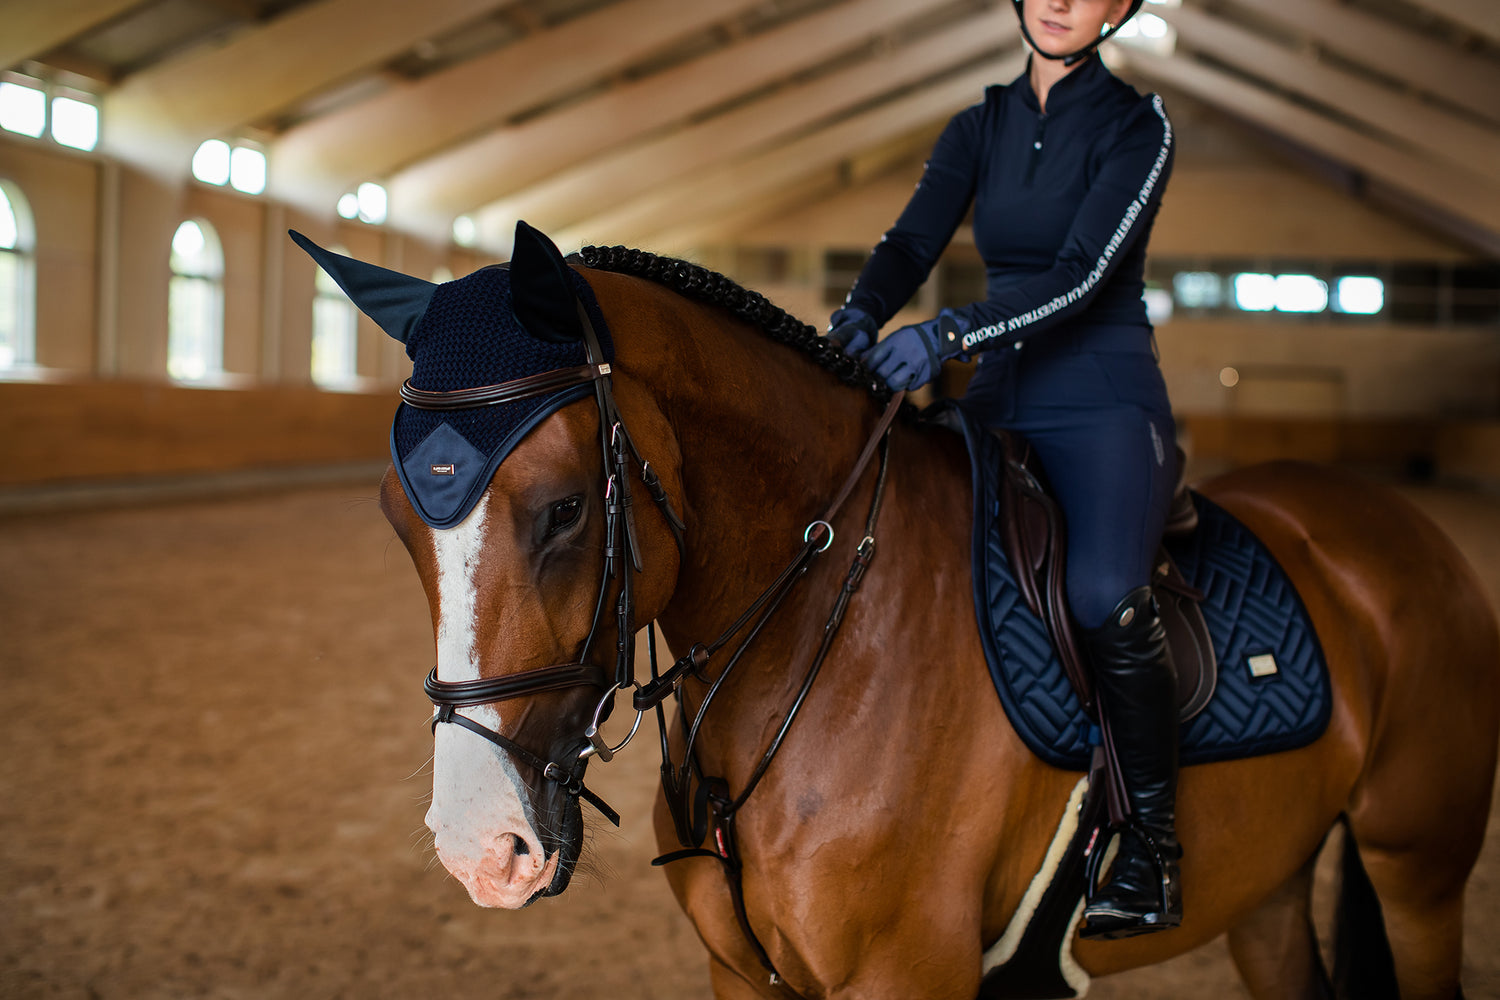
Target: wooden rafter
(1479,16)
(1459,77)
(427,196)
(158,117)
(1436,132)
(31,28)
(319,160)
(590,188)
(721,192)
(723,228)
(1460,194)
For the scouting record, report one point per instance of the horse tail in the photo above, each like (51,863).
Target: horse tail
(1363,966)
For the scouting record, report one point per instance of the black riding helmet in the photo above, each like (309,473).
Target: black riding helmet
(1073,57)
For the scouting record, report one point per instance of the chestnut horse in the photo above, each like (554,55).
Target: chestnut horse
(893,837)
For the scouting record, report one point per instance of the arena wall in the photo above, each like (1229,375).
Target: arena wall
(1399,398)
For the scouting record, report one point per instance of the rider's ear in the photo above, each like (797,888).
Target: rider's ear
(541,288)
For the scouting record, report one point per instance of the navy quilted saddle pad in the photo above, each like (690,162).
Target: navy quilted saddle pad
(1251,609)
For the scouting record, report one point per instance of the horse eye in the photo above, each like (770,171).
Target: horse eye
(564,514)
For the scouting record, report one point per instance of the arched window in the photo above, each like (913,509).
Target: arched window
(335,343)
(17,280)
(195,304)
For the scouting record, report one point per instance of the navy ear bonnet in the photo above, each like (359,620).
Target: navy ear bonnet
(469,336)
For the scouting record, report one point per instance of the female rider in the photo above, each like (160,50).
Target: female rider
(1065,169)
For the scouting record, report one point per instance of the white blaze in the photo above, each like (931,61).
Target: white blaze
(478,799)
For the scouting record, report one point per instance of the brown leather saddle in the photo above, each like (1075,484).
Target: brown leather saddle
(1036,545)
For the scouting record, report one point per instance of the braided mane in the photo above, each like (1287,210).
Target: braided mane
(698,283)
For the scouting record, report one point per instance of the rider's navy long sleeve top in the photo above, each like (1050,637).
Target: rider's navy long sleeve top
(1063,206)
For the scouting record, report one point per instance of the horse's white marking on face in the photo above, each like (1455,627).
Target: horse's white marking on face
(478,813)
(458,551)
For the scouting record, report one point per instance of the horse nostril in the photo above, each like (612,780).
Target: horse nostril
(521,845)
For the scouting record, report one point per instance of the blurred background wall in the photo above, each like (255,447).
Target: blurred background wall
(1325,270)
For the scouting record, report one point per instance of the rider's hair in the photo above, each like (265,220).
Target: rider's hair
(696,282)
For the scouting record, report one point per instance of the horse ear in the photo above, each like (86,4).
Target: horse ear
(395,301)
(541,289)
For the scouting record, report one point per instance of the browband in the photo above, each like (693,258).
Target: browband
(506,392)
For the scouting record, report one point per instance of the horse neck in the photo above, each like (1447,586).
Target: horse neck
(766,438)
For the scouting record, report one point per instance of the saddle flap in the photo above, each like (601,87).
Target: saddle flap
(1036,544)
(1189,644)
(1037,548)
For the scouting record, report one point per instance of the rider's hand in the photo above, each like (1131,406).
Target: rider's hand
(911,356)
(852,329)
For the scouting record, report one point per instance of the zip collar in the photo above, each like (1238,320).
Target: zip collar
(1071,89)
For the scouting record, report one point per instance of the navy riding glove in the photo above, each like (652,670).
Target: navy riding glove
(911,356)
(852,329)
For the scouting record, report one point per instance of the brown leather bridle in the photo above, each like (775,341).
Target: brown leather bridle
(622,560)
(620,544)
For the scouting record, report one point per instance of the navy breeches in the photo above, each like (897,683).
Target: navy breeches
(1108,448)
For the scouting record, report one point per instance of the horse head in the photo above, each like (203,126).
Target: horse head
(506,490)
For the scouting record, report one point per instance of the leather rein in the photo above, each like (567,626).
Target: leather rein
(622,560)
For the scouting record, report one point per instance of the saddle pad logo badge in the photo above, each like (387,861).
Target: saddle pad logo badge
(442,470)
(1263,665)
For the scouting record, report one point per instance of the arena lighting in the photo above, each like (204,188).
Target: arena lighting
(23,109)
(465,231)
(1359,295)
(75,123)
(1301,293)
(1150,32)
(1255,292)
(1158,305)
(1198,289)
(211,162)
(247,170)
(349,206)
(372,203)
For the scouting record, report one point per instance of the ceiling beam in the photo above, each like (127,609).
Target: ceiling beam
(722,229)
(876,179)
(427,196)
(592,187)
(156,118)
(313,163)
(1463,195)
(1479,16)
(1438,133)
(1459,77)
(720,192)
(33,28)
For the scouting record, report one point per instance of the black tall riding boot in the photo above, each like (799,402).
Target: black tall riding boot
(1137,693)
